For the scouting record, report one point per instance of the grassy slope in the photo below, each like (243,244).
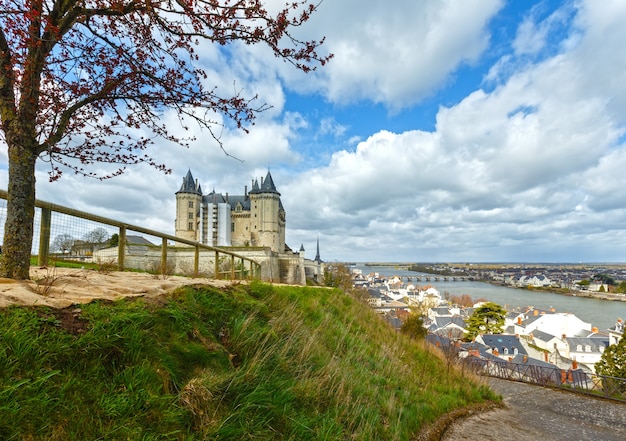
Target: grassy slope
(250,362)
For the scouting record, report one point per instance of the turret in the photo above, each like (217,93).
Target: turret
(188,209)
(267,215)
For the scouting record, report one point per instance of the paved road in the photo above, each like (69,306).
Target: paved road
(537,413)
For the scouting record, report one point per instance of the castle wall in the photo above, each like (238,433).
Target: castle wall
(292,269)
(275,268)
(241,234)
(314,270)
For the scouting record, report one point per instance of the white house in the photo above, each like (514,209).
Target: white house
(616,332)
(548,342)
(537,280)
(558,324)
(584,350)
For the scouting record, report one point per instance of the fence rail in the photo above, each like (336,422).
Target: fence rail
(575,380)
(225,263)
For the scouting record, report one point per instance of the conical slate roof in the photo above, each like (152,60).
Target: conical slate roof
(189,185)
(267,185)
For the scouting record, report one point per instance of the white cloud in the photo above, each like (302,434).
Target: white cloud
(393,54)
(397,59)
(535,32)
(528,167)
(535,163)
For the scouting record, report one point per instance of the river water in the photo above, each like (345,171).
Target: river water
(600,313)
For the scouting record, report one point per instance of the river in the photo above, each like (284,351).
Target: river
(600,313)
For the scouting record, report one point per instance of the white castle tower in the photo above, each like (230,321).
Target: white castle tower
(188,209)
(267,216)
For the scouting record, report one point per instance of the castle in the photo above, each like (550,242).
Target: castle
(251,222)
(255,219)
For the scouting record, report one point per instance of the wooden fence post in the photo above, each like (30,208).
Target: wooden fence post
(121,248)
(163,256)
(44,237)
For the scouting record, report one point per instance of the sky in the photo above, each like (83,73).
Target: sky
(441,131)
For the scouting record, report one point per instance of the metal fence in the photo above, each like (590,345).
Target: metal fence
(575,380)
(62,233)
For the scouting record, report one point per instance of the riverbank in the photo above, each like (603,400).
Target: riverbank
(615,297)
(599,313)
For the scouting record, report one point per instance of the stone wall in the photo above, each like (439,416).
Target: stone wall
(277,268)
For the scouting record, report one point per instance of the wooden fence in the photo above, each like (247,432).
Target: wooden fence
(240,267)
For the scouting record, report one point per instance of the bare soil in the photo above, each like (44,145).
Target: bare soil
(64,287)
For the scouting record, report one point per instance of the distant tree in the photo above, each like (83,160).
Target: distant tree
(603,278)
(91,82)
(96,237)
(465,300)
(63,243)
(622,287)
(338,276)
(613,363)
(486,319)
(413,327)
(584,282)
(114,240)
(421,309)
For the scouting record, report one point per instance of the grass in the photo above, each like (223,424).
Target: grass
(252,361)
(65,262)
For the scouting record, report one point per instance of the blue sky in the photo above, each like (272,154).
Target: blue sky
(467,130)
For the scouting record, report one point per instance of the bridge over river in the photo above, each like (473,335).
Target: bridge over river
(401,270)
(434,278)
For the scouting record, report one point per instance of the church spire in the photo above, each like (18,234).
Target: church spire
(318,259)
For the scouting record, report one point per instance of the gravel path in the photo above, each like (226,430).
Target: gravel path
(539,413)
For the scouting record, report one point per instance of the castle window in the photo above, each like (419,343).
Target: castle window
(190,215)
(190,226)
(232,227)
(190,204)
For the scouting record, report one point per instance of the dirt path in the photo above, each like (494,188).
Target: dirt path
(538,413)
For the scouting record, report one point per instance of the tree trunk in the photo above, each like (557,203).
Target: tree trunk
(18,228)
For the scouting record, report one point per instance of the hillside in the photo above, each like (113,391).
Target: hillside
(203,362)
